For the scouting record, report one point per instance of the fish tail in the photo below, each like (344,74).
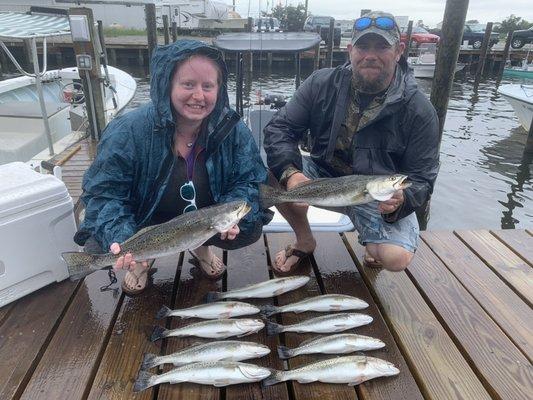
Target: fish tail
(158,333)
(268,310)
(273,328)
(284,352)
(80,264)
(210,297)
(274,378)
(268,196)
(149,361)
(163,312)
(144,380)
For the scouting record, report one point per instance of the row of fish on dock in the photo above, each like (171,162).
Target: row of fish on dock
(219,363)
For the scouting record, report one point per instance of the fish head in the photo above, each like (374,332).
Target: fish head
(383,187)
(254,372)
(230,214)
(250,325)
(382,367)
(374,343)
(360,318)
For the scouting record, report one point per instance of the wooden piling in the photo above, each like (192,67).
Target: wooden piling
(91,80)
(298,75)
(165,29)
(151,29)
(447,54)
(331,38)
(505,54)
(269,60)
(174,31)
(248,56)
(112,56)
(408,39)
(317,51)
(483,52)
(529,141)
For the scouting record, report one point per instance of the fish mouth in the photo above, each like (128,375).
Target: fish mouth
(400,182)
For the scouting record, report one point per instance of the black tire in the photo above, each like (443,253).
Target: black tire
(477,44)
(517,43)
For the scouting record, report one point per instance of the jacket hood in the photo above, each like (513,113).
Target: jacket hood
(162,66)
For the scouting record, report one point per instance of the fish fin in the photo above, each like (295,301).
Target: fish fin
(268,310)
(158,333)
(163,312)
(273,328)
(357,381)
(269,196)
(274,378)
(79,264)
(149,361)
(303,380)
(221,382)
(211,297)
(284,352)
(144,380)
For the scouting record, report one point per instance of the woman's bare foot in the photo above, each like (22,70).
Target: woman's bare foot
(209,263)
(135,281)
(285,264)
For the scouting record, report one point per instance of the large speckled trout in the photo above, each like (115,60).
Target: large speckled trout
(186,231)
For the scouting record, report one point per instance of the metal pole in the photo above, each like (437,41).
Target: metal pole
(39,86)
(447,54)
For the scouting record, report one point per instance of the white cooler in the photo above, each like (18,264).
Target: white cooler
(36,225)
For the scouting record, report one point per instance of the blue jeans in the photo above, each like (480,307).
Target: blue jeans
(367,219)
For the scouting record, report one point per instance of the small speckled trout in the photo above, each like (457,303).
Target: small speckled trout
(186,231)
(342,191)
(324,303)
(352,370)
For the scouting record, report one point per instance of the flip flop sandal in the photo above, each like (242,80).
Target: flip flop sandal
(135,291)
(291,251)
(198,262)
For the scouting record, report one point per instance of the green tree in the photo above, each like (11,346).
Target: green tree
(513,23)
(291,18)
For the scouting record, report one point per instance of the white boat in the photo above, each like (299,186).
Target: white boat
(43,112)
(424,65)
(521,98)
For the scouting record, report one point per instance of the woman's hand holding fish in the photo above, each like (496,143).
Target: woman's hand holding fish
(231,233)
(126,261)
(391,205)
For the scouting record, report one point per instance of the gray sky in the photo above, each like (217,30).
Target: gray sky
(430,11)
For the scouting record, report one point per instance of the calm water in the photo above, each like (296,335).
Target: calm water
(485,179)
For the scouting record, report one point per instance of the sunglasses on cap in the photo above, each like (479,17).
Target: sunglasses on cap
(385,23)
(188,193)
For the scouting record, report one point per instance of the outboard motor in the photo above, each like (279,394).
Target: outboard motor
(275,101)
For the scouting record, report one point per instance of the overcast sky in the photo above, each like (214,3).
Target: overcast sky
(430,11)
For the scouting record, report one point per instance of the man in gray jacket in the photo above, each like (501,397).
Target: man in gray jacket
(366,117)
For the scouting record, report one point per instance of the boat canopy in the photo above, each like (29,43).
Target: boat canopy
(26,26)
(267,41)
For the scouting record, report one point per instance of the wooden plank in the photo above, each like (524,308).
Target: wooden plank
(247,266)
(317,390)
(192,288)
(129,340)
(438,366)
(339,275)
(513,316)
(506,264)
(4,311)
(67,365)
(26,332)
(520,241)
(503,369)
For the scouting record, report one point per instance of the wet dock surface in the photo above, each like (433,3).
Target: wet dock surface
(458,323)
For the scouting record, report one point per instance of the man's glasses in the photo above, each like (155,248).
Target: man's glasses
(385,23)
(188,193)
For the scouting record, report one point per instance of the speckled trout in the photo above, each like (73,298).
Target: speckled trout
(352,370)
(226,350)
(186,231)
(219,309)
(325,324)
(334,344)
(342,191)
(218,373)
(270,288)
(324,303)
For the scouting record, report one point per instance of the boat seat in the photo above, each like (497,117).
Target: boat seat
(319,219)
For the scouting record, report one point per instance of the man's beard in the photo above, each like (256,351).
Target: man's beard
(380,83)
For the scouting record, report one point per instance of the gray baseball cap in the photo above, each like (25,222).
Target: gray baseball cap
(392,36)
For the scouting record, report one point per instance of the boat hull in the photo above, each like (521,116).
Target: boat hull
(521,99)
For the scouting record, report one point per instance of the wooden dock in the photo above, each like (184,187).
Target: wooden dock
(458,323)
